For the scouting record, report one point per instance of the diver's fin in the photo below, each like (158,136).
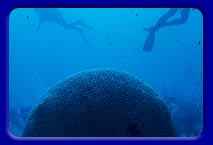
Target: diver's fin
(81,23)
(82,35)
(39,25)
(147,29)
(149,42)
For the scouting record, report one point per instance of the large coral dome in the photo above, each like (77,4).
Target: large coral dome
(100,103)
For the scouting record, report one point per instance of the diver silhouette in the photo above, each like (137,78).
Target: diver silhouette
(53,15)
(163,22)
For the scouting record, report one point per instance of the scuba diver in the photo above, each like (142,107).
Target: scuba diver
(54,15)
(163,22)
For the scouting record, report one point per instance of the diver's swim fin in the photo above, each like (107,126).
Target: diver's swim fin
(149,42)
(81,23)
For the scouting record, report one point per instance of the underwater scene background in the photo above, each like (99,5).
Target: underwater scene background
(47,45)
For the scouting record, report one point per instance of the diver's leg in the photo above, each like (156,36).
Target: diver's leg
(85,25)
(80,23)
(184,16)
(149,42)
(162,21)
(81,33)
(72,26)
(168,15)
(182,20)
(39,25)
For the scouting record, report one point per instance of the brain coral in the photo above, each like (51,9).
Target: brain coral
(101,102)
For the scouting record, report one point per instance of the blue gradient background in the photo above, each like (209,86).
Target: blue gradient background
(5,9)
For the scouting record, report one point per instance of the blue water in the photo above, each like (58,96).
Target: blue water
(41,56)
